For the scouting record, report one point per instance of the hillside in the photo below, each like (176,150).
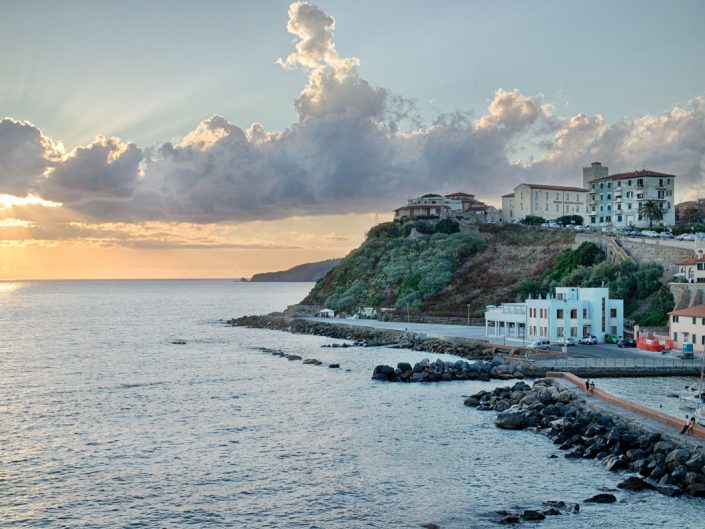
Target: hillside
(439,273)
(303,272)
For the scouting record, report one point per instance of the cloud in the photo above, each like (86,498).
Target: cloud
(354,148)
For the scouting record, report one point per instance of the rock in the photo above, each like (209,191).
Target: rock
(334,366)
(510,519)
(404,366)
(510,421)
(677,457)
(552,512)
(430,526)
(602,498)
(697,490)
(472,401)
(555,503)
(531,515)
(696,462)
(564,397)
(574,509)
(312,361)
(678,474)
(663,447)
(614,463)
(293,357)
(669,490)
(634,483)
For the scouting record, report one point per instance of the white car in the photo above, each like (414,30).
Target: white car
(540,344)
(588,340)
(565,341)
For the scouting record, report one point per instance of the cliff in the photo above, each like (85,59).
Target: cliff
(305,272)
(439,273)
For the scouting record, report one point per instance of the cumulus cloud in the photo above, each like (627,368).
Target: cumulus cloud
(354,148)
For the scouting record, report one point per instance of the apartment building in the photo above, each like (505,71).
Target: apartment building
(547,201)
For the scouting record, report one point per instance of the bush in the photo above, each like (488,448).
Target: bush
(570,219)
(448,226)
(386,230)
(533,220)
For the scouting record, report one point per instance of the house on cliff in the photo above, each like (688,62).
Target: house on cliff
(460,206)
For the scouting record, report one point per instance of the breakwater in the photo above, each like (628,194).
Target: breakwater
(371,337)
(440,371)
(660,463)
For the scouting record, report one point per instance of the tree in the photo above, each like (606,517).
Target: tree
(533,220)
(651,209)
(448,226)
(693,215)
(570,219)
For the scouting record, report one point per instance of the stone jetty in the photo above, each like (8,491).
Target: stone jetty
(442,371)
(665,465)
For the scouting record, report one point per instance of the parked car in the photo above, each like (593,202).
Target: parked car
(565,341)
(588,340)
(626,342)
(540,344)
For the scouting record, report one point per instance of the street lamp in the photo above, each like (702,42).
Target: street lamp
(468,314)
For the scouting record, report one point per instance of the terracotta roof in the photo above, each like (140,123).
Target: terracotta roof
(507,196)
(696,311)
(459,194)
(634,174)
(694,260)
(557,188)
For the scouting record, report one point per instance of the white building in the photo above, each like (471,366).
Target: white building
(688,326)
(572,312)
(455,205)
(547,201)
(615,200)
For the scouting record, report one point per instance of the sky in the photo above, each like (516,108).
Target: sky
(221,139)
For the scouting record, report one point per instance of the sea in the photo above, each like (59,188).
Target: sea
(131,404)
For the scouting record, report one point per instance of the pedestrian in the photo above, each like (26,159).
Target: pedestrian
(691,425)
(686,425)
(592,387)
(587,386)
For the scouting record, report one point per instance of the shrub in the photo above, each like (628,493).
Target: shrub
(448,226)
(386,230)
(533,220)
(570,219)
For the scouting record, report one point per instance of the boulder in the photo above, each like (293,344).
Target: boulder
(697,490)
(552,512)
(669,490)
(404,366)
(531,515)
(472,401)
(564,397)
(696,461)
(510,420)
(510,519)
(293,357)
(677,457)
(663,447)
(634,483)
(574,508)
(334,366)
(614,463)
(312,361)
(560,504)
(678,474)
(602,498)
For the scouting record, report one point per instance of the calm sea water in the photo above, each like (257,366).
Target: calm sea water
(104,422)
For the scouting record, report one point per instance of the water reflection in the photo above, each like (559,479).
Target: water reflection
(6,289)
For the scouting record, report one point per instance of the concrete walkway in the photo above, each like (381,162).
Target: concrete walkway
(656,421)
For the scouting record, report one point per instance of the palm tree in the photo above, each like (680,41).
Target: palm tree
(651,209)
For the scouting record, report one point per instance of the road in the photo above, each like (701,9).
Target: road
(600,354)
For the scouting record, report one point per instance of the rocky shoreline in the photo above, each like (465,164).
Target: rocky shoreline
(665,465)
(370,337)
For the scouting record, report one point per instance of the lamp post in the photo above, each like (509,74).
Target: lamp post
(468,306)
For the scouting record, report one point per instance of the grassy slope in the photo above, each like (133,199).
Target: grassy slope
(513,253)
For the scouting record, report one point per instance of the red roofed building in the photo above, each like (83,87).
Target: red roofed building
(692,270)
(688,326)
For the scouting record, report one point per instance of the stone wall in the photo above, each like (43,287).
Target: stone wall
(687,294)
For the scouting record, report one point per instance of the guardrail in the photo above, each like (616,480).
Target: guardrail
(563,363)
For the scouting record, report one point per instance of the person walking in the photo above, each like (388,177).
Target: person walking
(686,425)
(691,426)
(587,386)
(592,387)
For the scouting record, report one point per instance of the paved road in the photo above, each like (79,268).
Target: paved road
(601,354)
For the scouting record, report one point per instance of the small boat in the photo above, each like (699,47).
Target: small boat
(691,401)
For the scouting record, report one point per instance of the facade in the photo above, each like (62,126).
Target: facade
(547,201)
(595,171)
(692,270)
(455,205)
(572,312)
(697,204)
(615,200)
(688,326)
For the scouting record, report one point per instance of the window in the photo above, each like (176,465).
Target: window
(557,207)
(559,332)
(702,340)
(675,319)
(585,314)
(675,336)
(693,321)
(609,196)
(546,195)
(608,218)
(559,314)
(573,313)
(613,330)
(660,182)
(609,185)
(629,182)
(619,218)
(602,185)
(640,182)
(629,206)
(574,332)
(613,313)
(557,196)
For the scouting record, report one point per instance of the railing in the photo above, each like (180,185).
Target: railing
(563,363)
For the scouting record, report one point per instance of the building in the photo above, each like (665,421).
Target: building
(615,200)
(697,204)
(688,326)
(595,171)
(573,312)
(547,201)
(455,205)
(692,270)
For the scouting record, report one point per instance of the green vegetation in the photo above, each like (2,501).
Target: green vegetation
(646,300)
(533,220)
(693,215)
(651,209)
(570,219)
(389,269)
